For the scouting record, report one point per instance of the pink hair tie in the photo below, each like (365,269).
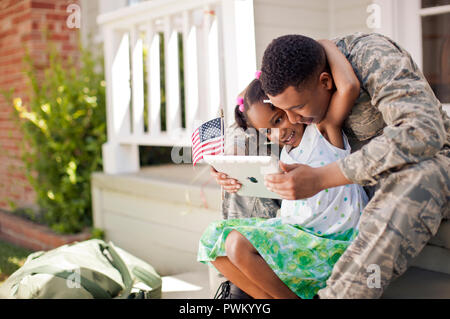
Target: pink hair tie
(257,74)
(240,102)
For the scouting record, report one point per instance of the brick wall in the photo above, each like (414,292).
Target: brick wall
(21,25)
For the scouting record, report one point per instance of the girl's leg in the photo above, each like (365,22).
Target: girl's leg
(232,273)
(247,259)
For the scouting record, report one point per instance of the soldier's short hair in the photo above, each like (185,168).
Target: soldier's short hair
(291,60)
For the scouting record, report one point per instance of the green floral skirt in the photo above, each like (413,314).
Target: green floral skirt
(302,259)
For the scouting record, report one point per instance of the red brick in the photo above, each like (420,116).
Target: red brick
(25,17)
(15,9)
(10,51)
(7,33)
(57,17)
(31,36)
(13,60)
(33,235)
(60,37)
(42,5)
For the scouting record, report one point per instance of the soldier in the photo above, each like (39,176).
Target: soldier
(400,138)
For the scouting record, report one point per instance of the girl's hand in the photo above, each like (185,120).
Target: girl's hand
(231,185)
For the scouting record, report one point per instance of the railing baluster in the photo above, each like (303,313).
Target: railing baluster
(117,157)
(121,92)
(173,109)
(137,83)
(203,65)
(190,71)
(213,61)
(221,61)
(109,52)
(153,81)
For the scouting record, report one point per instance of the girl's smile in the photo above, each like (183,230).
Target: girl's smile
(279,129)
(289,138)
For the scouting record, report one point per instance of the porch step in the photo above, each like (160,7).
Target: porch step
(176,183)
(436,254)
(418,283)
(442,238)
(415,283)
(433,258)
(189,285)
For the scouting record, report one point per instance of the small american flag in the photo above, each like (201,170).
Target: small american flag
(208,139)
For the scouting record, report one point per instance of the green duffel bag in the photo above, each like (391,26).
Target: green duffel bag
(88,269)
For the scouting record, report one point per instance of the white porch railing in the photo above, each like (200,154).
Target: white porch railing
(219,61)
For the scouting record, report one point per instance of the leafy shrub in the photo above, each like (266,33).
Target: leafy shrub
(64,128)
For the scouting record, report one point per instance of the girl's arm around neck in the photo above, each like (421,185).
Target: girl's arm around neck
(343,99)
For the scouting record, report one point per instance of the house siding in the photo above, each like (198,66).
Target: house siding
(274,18)
(316,19)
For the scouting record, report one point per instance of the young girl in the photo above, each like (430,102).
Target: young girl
(292,255)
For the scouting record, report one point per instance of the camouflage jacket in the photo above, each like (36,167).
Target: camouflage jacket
(396,120)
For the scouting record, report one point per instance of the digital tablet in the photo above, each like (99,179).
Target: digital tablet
(248,170)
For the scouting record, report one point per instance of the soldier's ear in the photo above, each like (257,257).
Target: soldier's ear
(326,80)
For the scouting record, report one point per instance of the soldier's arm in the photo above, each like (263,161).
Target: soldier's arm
(415,129)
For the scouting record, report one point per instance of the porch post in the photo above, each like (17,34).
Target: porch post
(118,158)
(400,20)
(239,49)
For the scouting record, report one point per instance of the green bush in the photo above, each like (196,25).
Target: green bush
(64,128)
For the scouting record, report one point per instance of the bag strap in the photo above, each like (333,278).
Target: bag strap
(139,272)
(122,267)
(94,289)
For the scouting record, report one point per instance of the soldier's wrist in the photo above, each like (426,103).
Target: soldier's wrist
(331,176)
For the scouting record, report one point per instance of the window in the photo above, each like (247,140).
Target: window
(435,15)
(434,3)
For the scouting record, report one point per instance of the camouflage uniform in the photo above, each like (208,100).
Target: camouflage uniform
(400,138)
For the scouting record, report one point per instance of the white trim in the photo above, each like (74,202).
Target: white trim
(157,140)
(238,31)
(409,29)
(137,80)
(434,10)
(145,11)
(388,18)
(401,21)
